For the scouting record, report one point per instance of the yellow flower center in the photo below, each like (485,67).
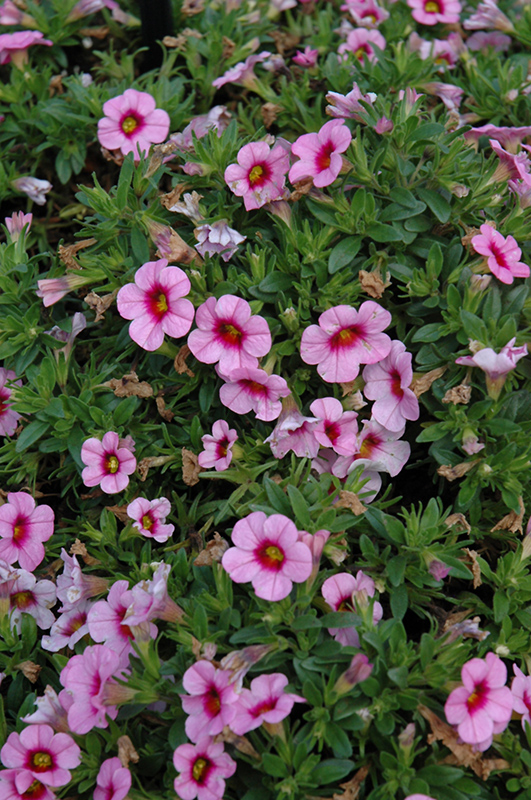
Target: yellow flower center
(18,531)
(199,769)
(33,789)
(112,464)
(147,522)
(432,7)
(129,124)
(274,553)
(161,303)
(41,761)
(21,599)
(360,52)
(255,174)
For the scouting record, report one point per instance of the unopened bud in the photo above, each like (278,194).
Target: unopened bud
(359,670)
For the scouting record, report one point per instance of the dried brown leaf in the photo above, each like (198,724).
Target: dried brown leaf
(166,413)
(126,751)
(241,743)
(100,304)
(351,501)
(129,386)
(301,188)
(372,283)
(180,365)
(512,521)
(95,33)
(270,113)
(120,512)
(55,85)
(352,787)
(476,569)
(467,628)
(79,549)
(228,47)
(30,670)
(458,394)
(179,250)
(285,40)
(174,41)
(67,252)
(458,519)
(423,382)
(213,552)
(471,232)
(169,199)
(452,473)
(191,468)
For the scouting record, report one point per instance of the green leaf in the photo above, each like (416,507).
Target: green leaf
(139,245)
(438,775)
(500,605)
(336,738)
(31,434)
(395,570)
(429,333)
(340,619)
(343,253)
(312,693)
(124,181)
(474,326)
(436,203)
(433,433)
(305,622)
(274,766)
(277,497)
(276,282)
(399,601)
(399,676)
(428,131)
(332,770)
(383,233)
(300,507)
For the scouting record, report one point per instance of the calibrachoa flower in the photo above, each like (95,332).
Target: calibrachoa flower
(14,46)
(346,338)
(202,769)
(250,389)
(379,450)
(484,704)
(496,366)
(73,585)
(50,710)
(29,596)
(212,703)
(360,41)
(227,332)
(106,621)
(243,72)
(521,691)
(336,428)
(150,517)
(34,188)
(306,58)
(387,383)
(151,599)
(266,701)
(69,628)
(16,785)
(132,123)
(488,16)
(359,670)
(218,238)
(293,432)
(23,529)
(260,174)
(16,224)
(113,781)
(268,554)
(348,106)
(430,12)
(157,304)
(109,463)
(344,592)
(54,289)
(320,153)
(218,447)
(45,755)
(8,418)
(502,254)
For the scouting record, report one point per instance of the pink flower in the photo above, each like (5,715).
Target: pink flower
(483,705)
(156,303)
(10,14)
(366,13)
(379,450)
(306,59)
(16,785)
(346,338)
(388,384)
(23,529)
(293,432)
(73,585)
(336,428)
(450,95)
(268,554)
(113,781)
(320,153)
(521,691)
(218,238)
(12,43)
(384,125)
(107,463)
(106,621)
(260,174)
(17,223)
(29,596)
(502,254)
(430,12)
(8,418)
(444,52)
(481,40)
(150,517)
(151,599)
(438,569)
(212,703)
(344,592)
(360,41)
(132,123)
(348,106)
(496,366)
(515,166)
(45,755)
(54,289)
(266,701)
(69,628)
(33,187)
(359,670)
(49,711)
(250,389)
(509,138)
(87,678)
(227,332)
(243,72)
(218,118)
(488,16)
(218,447)
(202,769)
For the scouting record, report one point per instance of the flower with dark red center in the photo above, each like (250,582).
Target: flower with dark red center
(132,123)
(108,463)
(202,769)
(320,153)
(501,253)
(265,701)
(212,701)
(388,382)
(430,12)
(23,529)
(260,174)
(45,755)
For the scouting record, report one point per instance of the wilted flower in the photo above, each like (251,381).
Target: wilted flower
(8,418)
(496,366)
(243,72)
(217,237)
(34,188)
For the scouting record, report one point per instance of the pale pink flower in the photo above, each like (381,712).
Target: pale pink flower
(17,785)
(132,123)
(249,389)
(202,769)
(49,711)
(430,12)
(445,52)
(307,58)
(361,43)
(113,781)
(481,40)
(87,678)
(509,138)
(266,701)
(483,705)
(218,447)
(68,629)
(320,153)
(502,254)
(218,238)
(438,569)
(151,599)
(410,97)
(54,289)
(379,450)
(212,703)
(47,756)
(218,119)
(11,45)
(521,691)
(239,662)
(243,72)
(344,592)
(269,554)
(512,165)
(358,671)
(73,585)
(260,174)
(316,543)
(107,463)
(336,428)
(293,432)
(10,14)
(348,106)
(150,517)
(106,622)
(33,187)
(84,8)
(23,529)
(17,223)
(450,95)
(78,323)
(489,17)
(227,332)
(387,383)
(366,14)
(157,304)
(384,125)
(471,444)
(29,596)
(496,366)
(346,338)
(8,418)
